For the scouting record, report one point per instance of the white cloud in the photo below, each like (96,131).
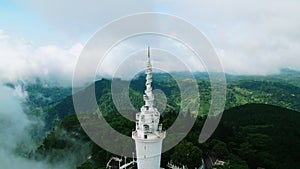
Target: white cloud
(129,57)
(251,37)
(78,18)
(21,60)
(14,132)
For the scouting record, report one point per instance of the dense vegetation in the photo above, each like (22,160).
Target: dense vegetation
(262,135)
(240,91)
(249,135)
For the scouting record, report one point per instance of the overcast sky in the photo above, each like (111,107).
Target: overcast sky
(44,38)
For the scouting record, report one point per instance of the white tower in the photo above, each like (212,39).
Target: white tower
(148,134)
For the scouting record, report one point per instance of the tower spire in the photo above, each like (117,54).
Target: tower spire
(148,97)
(148,134)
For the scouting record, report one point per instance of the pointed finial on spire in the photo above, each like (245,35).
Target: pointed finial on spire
(148,52)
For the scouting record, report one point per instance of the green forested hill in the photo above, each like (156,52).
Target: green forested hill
(240,91)
(259,128)
(248,136)
(262,135)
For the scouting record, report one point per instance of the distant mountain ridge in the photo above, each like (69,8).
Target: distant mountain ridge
(240,91)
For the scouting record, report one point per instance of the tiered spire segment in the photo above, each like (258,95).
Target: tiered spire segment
(148,97)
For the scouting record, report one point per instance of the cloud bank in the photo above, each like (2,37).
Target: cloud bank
(22,60)
(14,131)
(250,37)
